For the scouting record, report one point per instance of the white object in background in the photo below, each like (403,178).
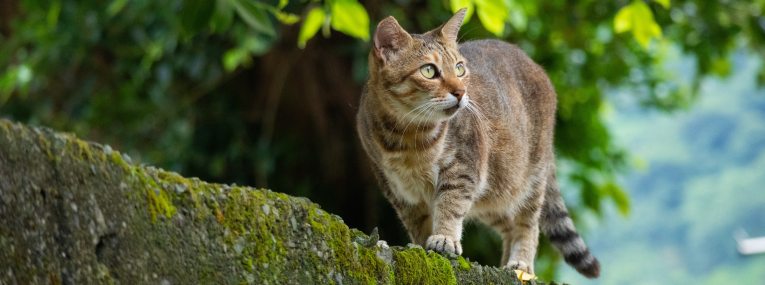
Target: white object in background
(748,245)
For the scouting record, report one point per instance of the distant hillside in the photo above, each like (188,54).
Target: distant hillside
(705,178)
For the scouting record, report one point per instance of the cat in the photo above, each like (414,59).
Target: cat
(457,131)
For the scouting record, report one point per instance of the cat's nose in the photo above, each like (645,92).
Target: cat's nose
(458,94)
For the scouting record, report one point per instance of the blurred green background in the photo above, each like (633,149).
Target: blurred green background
(659,129)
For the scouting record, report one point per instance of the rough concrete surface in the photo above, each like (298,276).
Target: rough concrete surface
(73,212)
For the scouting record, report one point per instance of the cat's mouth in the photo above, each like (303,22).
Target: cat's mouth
(453,109)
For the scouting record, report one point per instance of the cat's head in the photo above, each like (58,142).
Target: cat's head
(422,77)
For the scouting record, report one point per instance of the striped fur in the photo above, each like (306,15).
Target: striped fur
(477,145)
(559,229)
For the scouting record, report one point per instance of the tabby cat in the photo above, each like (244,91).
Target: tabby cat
(457,131)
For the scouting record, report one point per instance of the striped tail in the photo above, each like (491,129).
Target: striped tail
(559,229)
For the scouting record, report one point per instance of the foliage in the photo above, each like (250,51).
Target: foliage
(231,90)
(703,184)
(638,17)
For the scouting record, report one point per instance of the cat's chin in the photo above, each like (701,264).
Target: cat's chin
(452,110)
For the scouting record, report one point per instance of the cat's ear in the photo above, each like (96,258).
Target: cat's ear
(389,38)
(451,28)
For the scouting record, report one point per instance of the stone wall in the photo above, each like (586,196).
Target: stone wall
(74,212)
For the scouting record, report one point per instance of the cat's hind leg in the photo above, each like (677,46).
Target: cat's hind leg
(525,235)
(501,223)
(519,232)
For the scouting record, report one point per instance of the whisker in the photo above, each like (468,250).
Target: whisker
(478,110)
(427,120)
(481,120)
(463,35)
(417,130)
(401,139)
(404,117)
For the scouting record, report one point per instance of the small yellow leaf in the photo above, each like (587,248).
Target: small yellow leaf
(523,276)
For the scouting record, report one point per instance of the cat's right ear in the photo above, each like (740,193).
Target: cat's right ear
(389,39)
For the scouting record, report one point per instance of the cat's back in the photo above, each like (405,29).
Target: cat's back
(501,71)
(498,58)
(482,55)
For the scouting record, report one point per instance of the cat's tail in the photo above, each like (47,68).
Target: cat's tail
(559,229)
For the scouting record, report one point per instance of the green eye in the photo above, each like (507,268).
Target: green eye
(429,71)
(460,69)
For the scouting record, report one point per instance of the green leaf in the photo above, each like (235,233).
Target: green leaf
(115,7)
(255,16)
(456,5)
(53,12)
(283,3)
(234,57)
(638,18)
(196,14)
(664,3)
(223,16)
(493,15)
(311,25)
(623,20)
(8,84)
(286,18)
(257,45)
(620,197)
(591,195)
(349,17)
(720,67)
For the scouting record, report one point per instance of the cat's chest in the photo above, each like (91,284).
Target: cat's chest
(412,178)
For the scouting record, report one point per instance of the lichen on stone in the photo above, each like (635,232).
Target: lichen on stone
(139,224)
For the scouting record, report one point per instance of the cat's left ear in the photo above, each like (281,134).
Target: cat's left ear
(451,28)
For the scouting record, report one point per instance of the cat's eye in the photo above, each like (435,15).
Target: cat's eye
(460,69)
(429,71)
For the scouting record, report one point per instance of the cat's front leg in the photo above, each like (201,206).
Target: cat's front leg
(453,199)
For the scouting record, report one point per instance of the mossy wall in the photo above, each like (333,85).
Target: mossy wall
(73,212)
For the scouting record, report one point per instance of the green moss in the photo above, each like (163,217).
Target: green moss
(158,199)
(259,237)
(464,265)
(79,149)
(192,189)
(116,158)
(5,124)
(319,220)
(415,266)
(103,275)
(372,269)
(45,146)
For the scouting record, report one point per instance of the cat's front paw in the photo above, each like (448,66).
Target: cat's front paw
(519,265)
(442,244)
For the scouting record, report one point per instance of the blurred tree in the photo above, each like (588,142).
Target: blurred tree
(232,91)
